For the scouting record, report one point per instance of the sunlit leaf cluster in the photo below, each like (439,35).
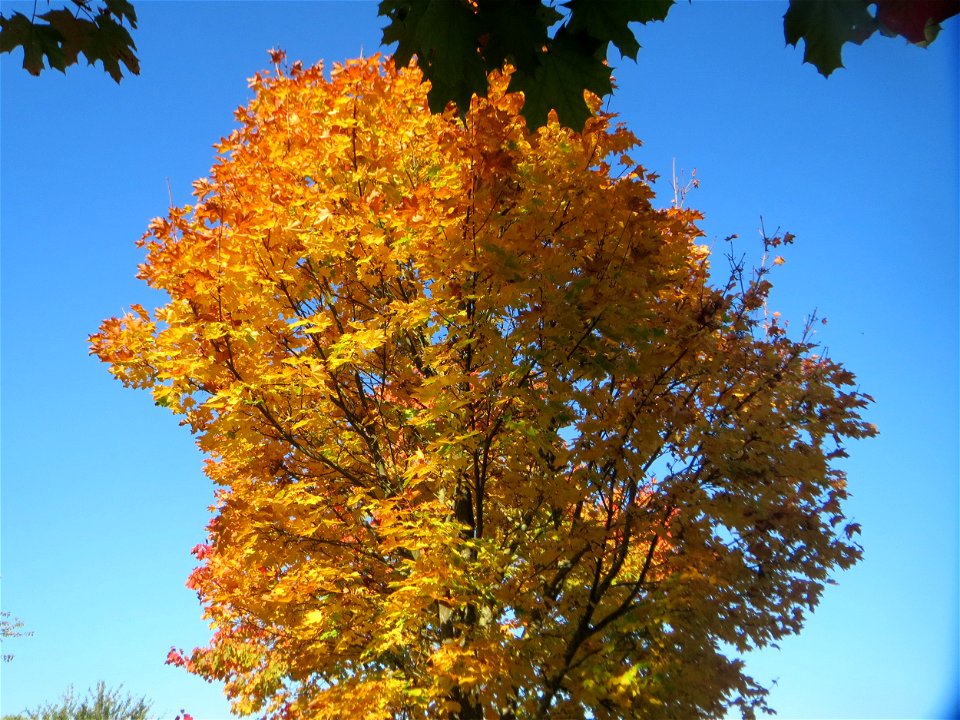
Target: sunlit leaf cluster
(489,442)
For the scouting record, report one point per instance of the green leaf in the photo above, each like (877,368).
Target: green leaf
(443,34)
(18,31)
(573,63)
(457,44)
(396,30)
(111,44)
(123,10)
(824,26)
(14,31)
(514,32)
(608,21)
(74,34)
(448,39)
(59,37)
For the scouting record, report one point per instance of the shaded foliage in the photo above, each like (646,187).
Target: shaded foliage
(558,49)
(559,55)
(57,38)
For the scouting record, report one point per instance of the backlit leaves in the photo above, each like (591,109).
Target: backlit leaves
(487,441)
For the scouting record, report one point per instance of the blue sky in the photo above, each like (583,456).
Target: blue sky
(103,495)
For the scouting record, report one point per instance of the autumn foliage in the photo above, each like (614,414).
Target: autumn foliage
(489,442)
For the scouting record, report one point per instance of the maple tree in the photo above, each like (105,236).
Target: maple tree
(488,440)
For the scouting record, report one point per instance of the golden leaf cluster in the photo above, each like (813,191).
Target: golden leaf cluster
(488,442)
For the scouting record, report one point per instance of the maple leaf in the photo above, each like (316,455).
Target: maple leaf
(916,20)
(443,35)
(514,33)
(825,26)
(559,55)
(122,10)
(609,21)
(18,31)
(58,37)
(574,63)
(458,42)
(74,34)
(111,44)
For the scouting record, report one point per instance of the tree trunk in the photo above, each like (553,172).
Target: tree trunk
(456,624)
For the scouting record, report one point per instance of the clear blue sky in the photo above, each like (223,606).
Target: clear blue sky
(102,493)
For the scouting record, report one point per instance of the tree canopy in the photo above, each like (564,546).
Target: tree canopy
(557,49)
(488,440)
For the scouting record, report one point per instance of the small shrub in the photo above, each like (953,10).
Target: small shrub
(100,704)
